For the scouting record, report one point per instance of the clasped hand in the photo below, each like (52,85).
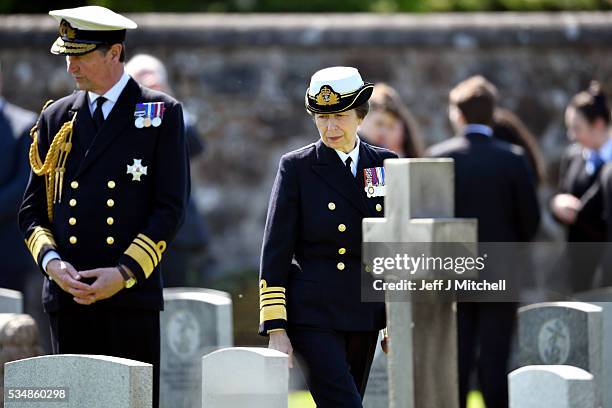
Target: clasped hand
(108,281)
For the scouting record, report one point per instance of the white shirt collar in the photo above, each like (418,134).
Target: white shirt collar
(113,93)
(353,154)
(478,128)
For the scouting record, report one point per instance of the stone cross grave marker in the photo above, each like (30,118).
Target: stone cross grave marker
(419,208)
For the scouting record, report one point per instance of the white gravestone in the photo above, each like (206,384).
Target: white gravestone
(11,301)
(83,380)
(195,322)
(563,333)
(245,377)
(557,386)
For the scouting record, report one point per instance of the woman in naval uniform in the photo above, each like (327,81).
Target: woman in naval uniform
(310,275)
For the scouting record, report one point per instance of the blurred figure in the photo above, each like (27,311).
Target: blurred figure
(587,119)
(508,127)
(494,184)
(15,124)
(19,271)
(182,261)
(390,124)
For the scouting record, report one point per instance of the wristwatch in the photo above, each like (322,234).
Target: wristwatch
(129,281)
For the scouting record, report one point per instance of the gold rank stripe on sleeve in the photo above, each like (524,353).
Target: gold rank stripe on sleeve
(38,239)
(146,252)
(272,302)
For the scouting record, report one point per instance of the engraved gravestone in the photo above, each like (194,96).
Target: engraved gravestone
(195,322)
(563,333)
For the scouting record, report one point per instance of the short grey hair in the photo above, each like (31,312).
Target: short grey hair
(146,62)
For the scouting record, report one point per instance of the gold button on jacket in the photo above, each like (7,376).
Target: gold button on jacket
(311,255)
(109,203)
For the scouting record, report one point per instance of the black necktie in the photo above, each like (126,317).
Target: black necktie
(98,116)
(347,164)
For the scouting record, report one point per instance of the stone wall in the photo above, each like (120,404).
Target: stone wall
(244,78)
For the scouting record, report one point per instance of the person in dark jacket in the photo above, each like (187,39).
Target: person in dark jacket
(494,184)
(15,125)
(310,275)
(588,119)
(107,193)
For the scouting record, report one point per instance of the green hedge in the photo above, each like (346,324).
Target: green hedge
(19,6)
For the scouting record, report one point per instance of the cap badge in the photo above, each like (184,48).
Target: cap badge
(66,30)
(327,96)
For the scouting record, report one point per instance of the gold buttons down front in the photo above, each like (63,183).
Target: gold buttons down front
(73,240)
(342,251)
(74,185)
(110,240)
(72,221)
(341,227)
(110,202)
(111,184)
(331,206)
(378,207)
(72,202)
(110,221)
(340,266)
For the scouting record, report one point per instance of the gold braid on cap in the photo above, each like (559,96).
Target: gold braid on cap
(54,165)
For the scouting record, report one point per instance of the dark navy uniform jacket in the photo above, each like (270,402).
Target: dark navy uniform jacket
(311,256)
(105,217)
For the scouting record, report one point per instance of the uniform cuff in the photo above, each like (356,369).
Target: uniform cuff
(40,242)
(272,308)
(143,256)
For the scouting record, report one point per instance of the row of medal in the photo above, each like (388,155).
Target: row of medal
(148,114)
(374,178)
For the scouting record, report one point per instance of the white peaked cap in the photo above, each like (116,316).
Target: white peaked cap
(93,18)
(342,79)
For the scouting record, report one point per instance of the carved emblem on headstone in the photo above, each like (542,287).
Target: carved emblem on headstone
(183,333)
(554,342)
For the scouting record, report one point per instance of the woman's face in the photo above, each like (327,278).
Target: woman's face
(384,129)
(338,130)
(591,136)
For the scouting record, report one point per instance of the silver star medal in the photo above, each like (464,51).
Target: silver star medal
(136,170)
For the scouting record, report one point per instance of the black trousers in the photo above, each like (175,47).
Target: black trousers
(125,333)
(336,364)
(484,341)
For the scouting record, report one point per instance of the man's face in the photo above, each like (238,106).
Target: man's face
(338,130)
(91,71)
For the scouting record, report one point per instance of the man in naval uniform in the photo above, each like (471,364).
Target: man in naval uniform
(107,193)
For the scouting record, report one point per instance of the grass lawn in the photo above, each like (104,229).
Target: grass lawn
(302,399)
